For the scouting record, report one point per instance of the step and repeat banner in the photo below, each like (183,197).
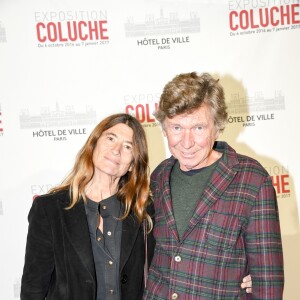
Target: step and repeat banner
(65,65)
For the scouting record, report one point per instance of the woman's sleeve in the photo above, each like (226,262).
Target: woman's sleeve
(39,256)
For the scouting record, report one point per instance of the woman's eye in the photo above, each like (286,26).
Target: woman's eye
(128,147)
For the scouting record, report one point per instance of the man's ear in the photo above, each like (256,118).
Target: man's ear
(217,133)
(164,132)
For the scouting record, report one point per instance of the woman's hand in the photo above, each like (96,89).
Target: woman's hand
(247,284)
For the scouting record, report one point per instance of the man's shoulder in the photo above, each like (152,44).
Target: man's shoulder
(241,161)
(163,165)
(250,164)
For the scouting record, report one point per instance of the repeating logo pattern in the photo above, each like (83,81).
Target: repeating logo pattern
(258,17)
(142,107)
(1,208)
(260,107)
(1,123)
(163,31)
(71,28)
(2,33)
(58,123)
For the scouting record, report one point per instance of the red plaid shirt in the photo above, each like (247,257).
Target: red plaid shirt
(234,231)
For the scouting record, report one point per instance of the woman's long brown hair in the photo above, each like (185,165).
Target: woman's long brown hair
(133,187)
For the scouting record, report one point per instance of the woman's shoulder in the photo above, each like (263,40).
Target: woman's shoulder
(53,197)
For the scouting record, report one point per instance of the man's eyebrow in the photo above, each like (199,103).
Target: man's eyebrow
(193,125)
(200,124)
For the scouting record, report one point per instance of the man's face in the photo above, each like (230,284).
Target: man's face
(191,138)
(113,154)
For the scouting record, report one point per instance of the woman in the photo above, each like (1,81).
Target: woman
(85,237)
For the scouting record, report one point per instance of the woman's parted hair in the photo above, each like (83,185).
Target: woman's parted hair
(133,187)
(187,92)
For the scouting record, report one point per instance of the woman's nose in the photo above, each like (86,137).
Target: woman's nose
(116,149)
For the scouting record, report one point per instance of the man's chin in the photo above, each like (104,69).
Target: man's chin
(186,166)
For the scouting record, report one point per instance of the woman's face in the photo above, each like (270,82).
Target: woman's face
(113,154)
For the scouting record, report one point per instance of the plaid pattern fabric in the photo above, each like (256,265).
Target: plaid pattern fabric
(234,231)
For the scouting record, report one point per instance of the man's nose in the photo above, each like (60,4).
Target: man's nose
(187,139)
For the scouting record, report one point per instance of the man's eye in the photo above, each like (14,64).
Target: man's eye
(198,130)
(176,128)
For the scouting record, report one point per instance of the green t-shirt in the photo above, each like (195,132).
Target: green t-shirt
(186,190)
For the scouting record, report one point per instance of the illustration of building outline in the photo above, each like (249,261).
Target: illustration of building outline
(162,25)
(257,103)
(2,33)
(57,118)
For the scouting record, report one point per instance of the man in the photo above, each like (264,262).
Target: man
(216,216)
